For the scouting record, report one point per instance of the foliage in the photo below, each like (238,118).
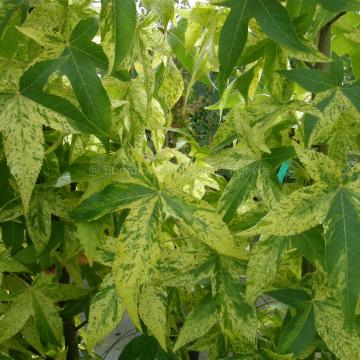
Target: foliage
(196,168)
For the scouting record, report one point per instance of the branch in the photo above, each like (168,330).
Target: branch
(81,325)
(335,18)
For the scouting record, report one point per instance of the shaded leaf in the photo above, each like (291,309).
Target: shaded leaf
(145,347)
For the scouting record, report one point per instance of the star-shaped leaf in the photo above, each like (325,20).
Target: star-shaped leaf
(274,20)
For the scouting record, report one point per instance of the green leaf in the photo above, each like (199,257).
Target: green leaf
(248,82)
(337,69)
(338,125)
(83,57)
(13,235)
(340,5)
(300,329)
(145,347)
(342,248)
(252,176)
(267,184)
(31,85)
(136,249)
(78,62)
(311,244)
(311,80)
(298,332)
(113,197)
(232,40)
(117,25)
(12,10)
(32,336)
(302,12)
(198,322)
(38,302)
(106,312)
(293,297)
(62,292)
(238,190)
(235,316)
(276,23)
(176,40)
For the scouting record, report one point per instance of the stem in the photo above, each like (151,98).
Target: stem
(324,46)
(193,355)
(20,279)
(55,145)
(336,17)
(82,325)
(70,331)
(72,147)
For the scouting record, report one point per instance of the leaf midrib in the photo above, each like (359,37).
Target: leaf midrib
(276,24)
(87,93)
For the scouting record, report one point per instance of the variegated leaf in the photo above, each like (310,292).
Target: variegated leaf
(117,25)
(263,264)
(106,312)
(172,85)
(237,318)
(38,221)
(16,316)
(199,321)
(21,126)
(48,320)
(319,166)
(153,312)
(300,211)
(136,250)
(9,264)
(331,326)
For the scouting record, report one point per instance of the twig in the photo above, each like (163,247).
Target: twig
(81,325)
(335,18)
